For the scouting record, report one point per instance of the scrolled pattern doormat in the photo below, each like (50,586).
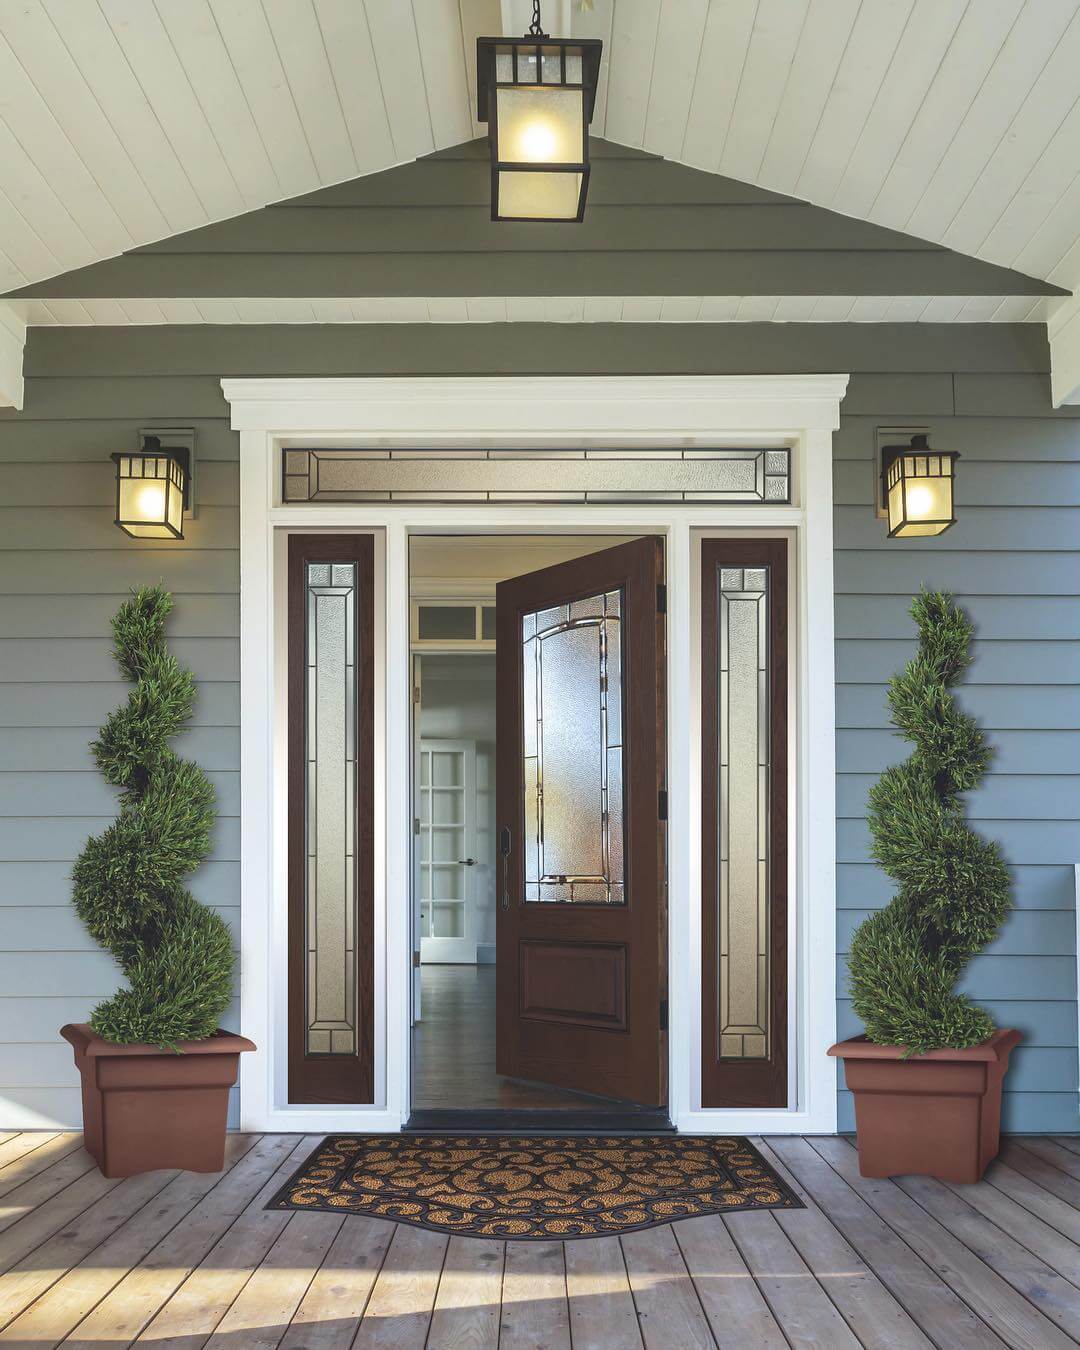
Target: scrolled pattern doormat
(526,1187)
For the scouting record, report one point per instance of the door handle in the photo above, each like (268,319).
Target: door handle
(504,853)
(467,862)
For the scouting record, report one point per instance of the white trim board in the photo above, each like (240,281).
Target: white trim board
(125,311)
(801,411)
(12,344)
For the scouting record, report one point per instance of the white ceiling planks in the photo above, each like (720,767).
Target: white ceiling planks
(124,121)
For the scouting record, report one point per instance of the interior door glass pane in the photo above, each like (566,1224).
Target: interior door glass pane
(454,623)
(330,898)
(744,916)
(572,734)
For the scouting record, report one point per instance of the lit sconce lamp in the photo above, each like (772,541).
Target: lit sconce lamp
(152,490)
(917,488)
(536,94)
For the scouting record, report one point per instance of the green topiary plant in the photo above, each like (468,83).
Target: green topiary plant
(177,955)
(952,885)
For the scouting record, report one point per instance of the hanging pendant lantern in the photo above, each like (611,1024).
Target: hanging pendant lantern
(536,93)
(917,488)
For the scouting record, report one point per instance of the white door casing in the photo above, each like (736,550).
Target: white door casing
(800,411)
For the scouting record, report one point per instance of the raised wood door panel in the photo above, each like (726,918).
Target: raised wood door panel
(581,899)
(744,850)
(331,712)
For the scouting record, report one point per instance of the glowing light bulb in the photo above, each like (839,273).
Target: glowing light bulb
(538,142)
(150,502)
(920,501)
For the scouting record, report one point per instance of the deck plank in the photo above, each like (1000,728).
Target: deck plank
(1069,1141)
(192,1314)
(602,1312)
(1064,1159)
(330,1311)
(1012,1317)
(466,1314)
(939,1312)
(668,1308)
(1044,1174)
(60,1309)
(16,1145)
(995,1246)
(1051,1209)
(263,1309)
(734,1305)
(398,1312)
(29,1199)
(38,1160)
(535,1312)
(798,1302)
(870,1310)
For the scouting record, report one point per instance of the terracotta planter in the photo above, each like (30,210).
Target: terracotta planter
(146,1108)
(934,1115)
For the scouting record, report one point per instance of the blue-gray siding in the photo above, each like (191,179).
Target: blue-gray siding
(1014,560)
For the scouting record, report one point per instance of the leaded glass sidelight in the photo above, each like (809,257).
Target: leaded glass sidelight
(572,717)
(330,901)
(744,918)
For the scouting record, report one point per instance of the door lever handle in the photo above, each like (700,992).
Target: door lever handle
(504,854)
(467,862)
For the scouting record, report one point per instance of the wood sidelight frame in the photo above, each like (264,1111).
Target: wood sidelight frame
(728,1080)
(343,1078)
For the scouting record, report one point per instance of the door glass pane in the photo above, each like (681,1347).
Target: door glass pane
(455,623)
(330,899)
(572,739)
(744,907)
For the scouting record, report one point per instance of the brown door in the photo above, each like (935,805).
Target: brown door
(581,917)
(330,800)
(744,921)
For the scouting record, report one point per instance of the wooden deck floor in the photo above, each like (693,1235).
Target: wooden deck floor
(179,1260)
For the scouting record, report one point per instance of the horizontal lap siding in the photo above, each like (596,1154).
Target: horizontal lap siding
(1013,560)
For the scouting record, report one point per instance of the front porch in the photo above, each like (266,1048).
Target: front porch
(180,1259)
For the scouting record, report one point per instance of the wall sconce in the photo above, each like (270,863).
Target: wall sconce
(536,93)
(917,488)
(153,488)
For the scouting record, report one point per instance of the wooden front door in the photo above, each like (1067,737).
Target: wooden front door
(581,886)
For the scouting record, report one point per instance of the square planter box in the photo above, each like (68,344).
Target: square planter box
(145,1108)
(933,1115)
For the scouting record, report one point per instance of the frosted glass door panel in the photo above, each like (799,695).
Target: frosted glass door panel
(572,752)
(331,808)
(744,818)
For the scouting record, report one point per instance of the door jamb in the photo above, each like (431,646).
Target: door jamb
(799,411)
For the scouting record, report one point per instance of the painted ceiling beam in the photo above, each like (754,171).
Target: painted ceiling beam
(12,344)
(1063,330)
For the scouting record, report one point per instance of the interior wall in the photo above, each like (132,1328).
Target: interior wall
(1013,560)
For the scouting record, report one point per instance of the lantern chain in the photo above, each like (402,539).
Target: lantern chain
(536,28)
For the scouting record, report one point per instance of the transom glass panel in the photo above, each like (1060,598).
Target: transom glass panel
(573,736)
(330,756)
(744,915)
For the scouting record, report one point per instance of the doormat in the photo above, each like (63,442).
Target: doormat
(506,1186)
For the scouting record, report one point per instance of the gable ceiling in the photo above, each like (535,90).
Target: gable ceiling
(126,121)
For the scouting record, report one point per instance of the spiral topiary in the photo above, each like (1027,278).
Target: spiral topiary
(176,954)
(952,885)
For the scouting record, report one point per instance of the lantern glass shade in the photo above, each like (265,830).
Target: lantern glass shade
(150,495)
(918,489)
(537,98)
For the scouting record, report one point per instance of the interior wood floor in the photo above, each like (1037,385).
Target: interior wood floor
(454,1051)
(184,1260)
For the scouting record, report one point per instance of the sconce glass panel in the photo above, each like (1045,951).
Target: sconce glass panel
(149,495)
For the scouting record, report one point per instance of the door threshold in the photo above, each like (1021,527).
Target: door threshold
(642,1120)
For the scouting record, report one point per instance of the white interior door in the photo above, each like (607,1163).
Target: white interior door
(446,848)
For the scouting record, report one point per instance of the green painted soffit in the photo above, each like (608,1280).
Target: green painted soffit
(652,228)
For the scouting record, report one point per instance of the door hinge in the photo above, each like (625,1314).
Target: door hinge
(661,598)
(416,693)
(416,960)
(661,804)
(416,824)
(663,1015)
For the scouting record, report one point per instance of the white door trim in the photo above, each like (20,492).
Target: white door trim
(797,410)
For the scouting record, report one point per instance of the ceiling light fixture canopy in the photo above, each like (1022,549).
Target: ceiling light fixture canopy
(536,93)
